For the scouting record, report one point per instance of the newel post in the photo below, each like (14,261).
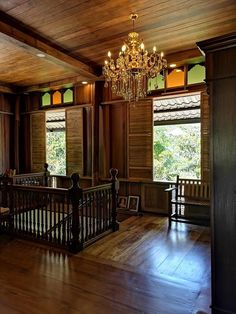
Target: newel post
(46,174)
(75,196)
(115,189)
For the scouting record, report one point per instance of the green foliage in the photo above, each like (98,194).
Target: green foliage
(56,152)
(177,151)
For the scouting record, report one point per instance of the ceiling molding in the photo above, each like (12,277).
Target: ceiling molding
(29,38)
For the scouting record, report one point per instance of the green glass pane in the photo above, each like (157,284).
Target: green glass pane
(46,99)
(68,96)
(196,74)
(156,83)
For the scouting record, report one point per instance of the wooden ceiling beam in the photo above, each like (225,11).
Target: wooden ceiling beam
(7,88)
(64,83)
(185,56)
(28,38)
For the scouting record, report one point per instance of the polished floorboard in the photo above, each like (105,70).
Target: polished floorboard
(142,268)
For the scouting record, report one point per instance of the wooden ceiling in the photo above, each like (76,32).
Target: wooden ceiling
(75,35)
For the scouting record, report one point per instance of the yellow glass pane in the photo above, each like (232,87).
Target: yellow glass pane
(56,98)
(175,78)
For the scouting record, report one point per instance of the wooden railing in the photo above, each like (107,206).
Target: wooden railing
(70,218)
(38,179)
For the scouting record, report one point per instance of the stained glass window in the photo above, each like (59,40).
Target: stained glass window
(46,99)
(196,73)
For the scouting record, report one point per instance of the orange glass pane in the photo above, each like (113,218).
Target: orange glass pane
(56,98)
(175,78)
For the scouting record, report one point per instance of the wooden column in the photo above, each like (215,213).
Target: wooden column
(221,80)
(16,133)
(98,94)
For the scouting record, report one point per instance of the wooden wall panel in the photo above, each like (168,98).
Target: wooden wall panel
(154,198)
(6,132)
(205,137)
(38,141)
(118,138)
(25,144)
(87,140)
(83,94)
(74,140)
(140,142)
(4,142)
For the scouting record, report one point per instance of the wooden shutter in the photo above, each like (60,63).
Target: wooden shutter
(74,140)
(205,137)
(38,141)
(140,140)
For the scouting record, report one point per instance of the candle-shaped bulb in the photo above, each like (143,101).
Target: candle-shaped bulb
(106,62)
(154,49)
(123,48)
(109,54)
(142,46)
(162,55)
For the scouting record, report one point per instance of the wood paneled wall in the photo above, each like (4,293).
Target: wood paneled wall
(221,79)
(79,132)
(6,132)
(126,142)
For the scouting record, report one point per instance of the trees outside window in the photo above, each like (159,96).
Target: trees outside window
(177,151)
(56,142)
(56,152)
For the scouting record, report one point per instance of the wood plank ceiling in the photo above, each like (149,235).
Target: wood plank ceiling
(75,35)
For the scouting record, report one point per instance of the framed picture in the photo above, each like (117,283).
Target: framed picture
(122,202)
(133,202)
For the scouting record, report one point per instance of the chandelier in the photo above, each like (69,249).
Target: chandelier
(129,73)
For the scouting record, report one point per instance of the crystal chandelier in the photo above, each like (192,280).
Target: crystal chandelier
(129,73)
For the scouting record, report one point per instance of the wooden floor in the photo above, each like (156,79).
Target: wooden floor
(143,268)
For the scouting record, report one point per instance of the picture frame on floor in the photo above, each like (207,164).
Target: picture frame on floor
(122,202)
(133,203)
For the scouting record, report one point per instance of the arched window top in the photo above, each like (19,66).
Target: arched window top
(46,99)
(68,96)
(57,98)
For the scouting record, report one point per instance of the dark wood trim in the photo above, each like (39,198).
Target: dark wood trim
(8,113)
(218,43)
(17,133)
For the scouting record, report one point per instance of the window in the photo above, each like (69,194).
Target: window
(177,138)
(56,142)
(57,97)
(179,77)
